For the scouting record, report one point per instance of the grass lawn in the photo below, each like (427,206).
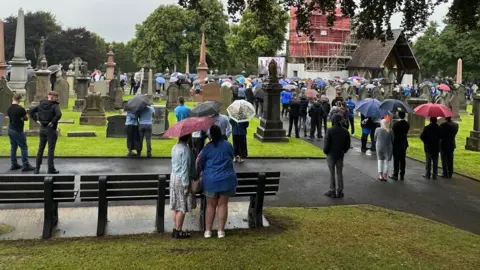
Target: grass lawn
(102,146)
(341,237)
(465,162)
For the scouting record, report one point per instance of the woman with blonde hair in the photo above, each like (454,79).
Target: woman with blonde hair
(384,146)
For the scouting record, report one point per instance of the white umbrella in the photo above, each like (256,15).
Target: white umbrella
(227,84)
(241,111)
(173,80)
(370,86)
(290,87)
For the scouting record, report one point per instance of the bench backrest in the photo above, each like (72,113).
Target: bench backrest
(122,187)
(31,188)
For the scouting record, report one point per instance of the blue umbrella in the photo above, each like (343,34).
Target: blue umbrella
(160,80)
(394,105)
(193,76)
(241,79)
(370,108)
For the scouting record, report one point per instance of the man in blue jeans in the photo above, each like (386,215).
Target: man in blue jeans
(145,129)
(351,116)
(17,116)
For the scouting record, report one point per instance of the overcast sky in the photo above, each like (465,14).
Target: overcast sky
(115,20)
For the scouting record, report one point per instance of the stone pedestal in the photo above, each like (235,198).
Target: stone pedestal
(82,90)
(473,142)
(271,127)
(417,122)
(94,113)
(18,74)
(71,81)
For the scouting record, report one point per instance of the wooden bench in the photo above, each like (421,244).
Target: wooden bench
(49,190)
(131,187)
(124,187)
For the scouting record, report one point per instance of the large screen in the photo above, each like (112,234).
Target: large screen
(264,61)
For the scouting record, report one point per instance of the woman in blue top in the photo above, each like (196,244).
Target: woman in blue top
(215,162)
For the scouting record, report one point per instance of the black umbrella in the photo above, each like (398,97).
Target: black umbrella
(207,108)
(258,91)
(395,105)
(137,103)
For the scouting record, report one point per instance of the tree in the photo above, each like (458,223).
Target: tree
(171,33)
(372,17)
(37,24)
(426,50)
(253,37)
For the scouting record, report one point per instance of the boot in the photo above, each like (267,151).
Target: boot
(52,170)
(15,167)
(27,167)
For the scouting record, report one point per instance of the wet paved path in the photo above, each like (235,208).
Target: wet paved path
(455,202)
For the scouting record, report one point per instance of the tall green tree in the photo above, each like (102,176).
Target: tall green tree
(372,17)
(253,37)
(37,24)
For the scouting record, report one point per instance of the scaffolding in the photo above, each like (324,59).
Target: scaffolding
(327,48)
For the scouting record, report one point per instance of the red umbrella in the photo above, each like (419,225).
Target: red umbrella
(444,87)
(311,93)
(189,125)
(434,110)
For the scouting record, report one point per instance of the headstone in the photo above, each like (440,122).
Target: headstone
(473,142)
(107,103)
(363,93)
(377,93)
(71,81)
(160,120)
(226,98)
(425,90)
(118,99)
(271,126)
(461,94)
(173,94)
(62,88)
(211,92)
(66,121)
(79,134)
(116,126)
(82,89)
(6,96)
(455,107)
(100,87)
(93,114)
(417,122)
(185,92)
(19,64)
(331,93)
(31,89)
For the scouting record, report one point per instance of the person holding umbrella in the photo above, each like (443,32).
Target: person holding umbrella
(431,145)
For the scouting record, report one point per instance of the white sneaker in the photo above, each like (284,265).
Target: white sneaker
(221,234)
(207,234)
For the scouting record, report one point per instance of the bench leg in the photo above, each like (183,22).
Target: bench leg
(203,208)
(102,206)
(255,211)
(48,209)
(160,215)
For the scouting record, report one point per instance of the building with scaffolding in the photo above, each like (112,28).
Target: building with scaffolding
(326,52)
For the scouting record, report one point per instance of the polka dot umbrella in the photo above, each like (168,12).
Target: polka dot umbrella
(189,125)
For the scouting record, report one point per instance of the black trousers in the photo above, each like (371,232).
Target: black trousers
(432,159)
(315,126)
(293,120)
(285,109)
(47,135)
(133,138)
(447,163)
(197,146)
(364,140)
(399,161)
(351,119)
(325,127)
(240,145)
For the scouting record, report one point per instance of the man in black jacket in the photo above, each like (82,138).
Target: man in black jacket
(400,145)
(325,111)
(337,143)
(294,114)
(447,146)
(431,136)
(47,114)
(303,114)
(316,115)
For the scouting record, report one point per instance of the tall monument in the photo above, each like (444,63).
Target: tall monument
(3,65)
(110,64)
(187,66)
(18,75)
(202,68)
(271,127)
(459,71)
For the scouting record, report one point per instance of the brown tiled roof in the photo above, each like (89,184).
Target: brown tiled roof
(373,53)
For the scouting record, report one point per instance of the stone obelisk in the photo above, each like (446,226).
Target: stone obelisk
(18,75)
(3,65)
(187,66)
(202,69)
(110,64)
(459,71)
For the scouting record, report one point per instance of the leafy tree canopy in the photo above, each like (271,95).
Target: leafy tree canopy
(371,17)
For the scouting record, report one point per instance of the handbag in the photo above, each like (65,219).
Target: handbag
(196,186)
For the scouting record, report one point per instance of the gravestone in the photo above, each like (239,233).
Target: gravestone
(31,89)
(62,88)
(100,87)
(116,126)
(71,81)
(160,120)
(173,94)
(455,107)
(377,93)
(417,122)
(363,93)
(462,100)
(425,90)
(6,96)
(81,134)
(82,87)
(473,142)
(226,99)
(108,99)
(118,100)
(94,113)
(185,92)
(331,93)
(211,92)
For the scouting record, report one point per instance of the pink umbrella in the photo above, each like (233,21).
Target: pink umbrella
(444,87)
(311,93)
(433,110)
(189,125)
